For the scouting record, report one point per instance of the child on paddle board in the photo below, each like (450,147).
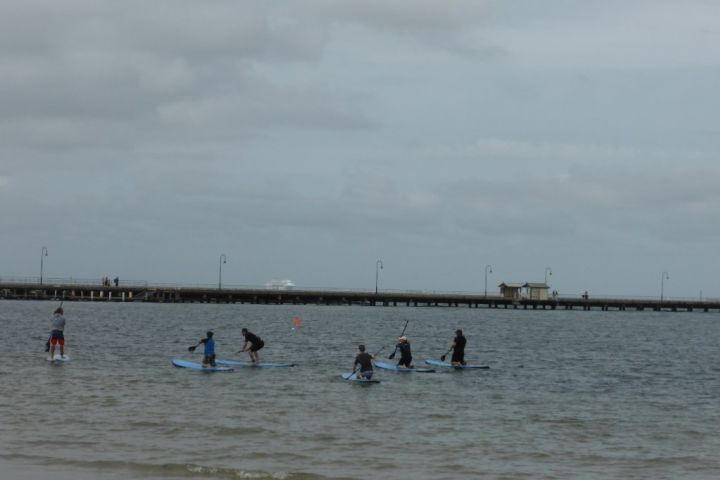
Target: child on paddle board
(57,335)
(458,349)
(255,342)
(209,352)
(405,353)
(364,360)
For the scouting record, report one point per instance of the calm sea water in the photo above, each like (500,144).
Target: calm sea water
(568,395)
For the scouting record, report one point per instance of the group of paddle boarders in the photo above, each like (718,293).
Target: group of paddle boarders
(363,367)
(252,344)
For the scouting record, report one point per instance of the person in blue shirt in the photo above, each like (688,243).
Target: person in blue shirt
(209,352)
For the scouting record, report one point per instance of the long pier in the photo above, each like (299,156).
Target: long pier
(142,292)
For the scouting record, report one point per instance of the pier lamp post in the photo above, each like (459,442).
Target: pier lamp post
(43,253)
(663,276)
(488,268)
(223,259)
(548,271)
(378,267)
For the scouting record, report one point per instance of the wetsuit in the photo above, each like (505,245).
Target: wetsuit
(364,359)
(256,342)
(458,355)
(405,354)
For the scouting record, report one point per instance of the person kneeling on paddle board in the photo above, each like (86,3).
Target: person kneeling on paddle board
(363,359)
(57,335)
(405,353)
(209,352)
(255,342)
(458,348)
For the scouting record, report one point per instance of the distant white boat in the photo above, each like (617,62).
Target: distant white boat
(280,285)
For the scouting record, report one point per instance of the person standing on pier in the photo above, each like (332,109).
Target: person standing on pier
(57,335)
(458,349)
(255,344)
(405,353)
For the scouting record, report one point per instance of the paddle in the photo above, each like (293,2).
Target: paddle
(392,355)
(442,357)
(192,349)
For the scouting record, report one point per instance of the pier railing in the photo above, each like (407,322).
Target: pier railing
(71,289)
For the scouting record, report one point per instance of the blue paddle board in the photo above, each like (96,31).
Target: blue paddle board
(236,363)
(196,366)
(394,368)
(438,363)
(352,377)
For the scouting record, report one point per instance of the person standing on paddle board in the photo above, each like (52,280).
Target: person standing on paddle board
(458,349)
(405,353)
(364,360)
(209,352)
(57,335)
(255,342)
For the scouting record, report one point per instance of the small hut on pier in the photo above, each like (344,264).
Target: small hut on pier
(510,290)
(537,291)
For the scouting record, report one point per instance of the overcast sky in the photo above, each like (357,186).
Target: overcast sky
(307,139)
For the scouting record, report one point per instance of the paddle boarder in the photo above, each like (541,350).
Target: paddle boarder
(458,349)
(209,352)
(405,354)
(57,334)
(255,343)
(364,360)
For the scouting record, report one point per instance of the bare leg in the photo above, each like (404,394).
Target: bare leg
(52,351)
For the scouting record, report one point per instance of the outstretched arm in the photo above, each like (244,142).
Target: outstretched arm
(192,349)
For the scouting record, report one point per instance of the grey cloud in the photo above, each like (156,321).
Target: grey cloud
(413,16)
(447,26)
(350,130)
(660,204)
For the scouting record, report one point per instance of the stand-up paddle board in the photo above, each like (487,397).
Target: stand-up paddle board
(236,363)
(196,366)
(58,358)
(352,377)
(438,363)
(395,368)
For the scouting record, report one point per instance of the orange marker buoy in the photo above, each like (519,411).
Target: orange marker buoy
(298,322)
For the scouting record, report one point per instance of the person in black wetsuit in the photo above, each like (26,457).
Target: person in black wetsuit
(458,348)
(405,353)
(255,343)
(364,360)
